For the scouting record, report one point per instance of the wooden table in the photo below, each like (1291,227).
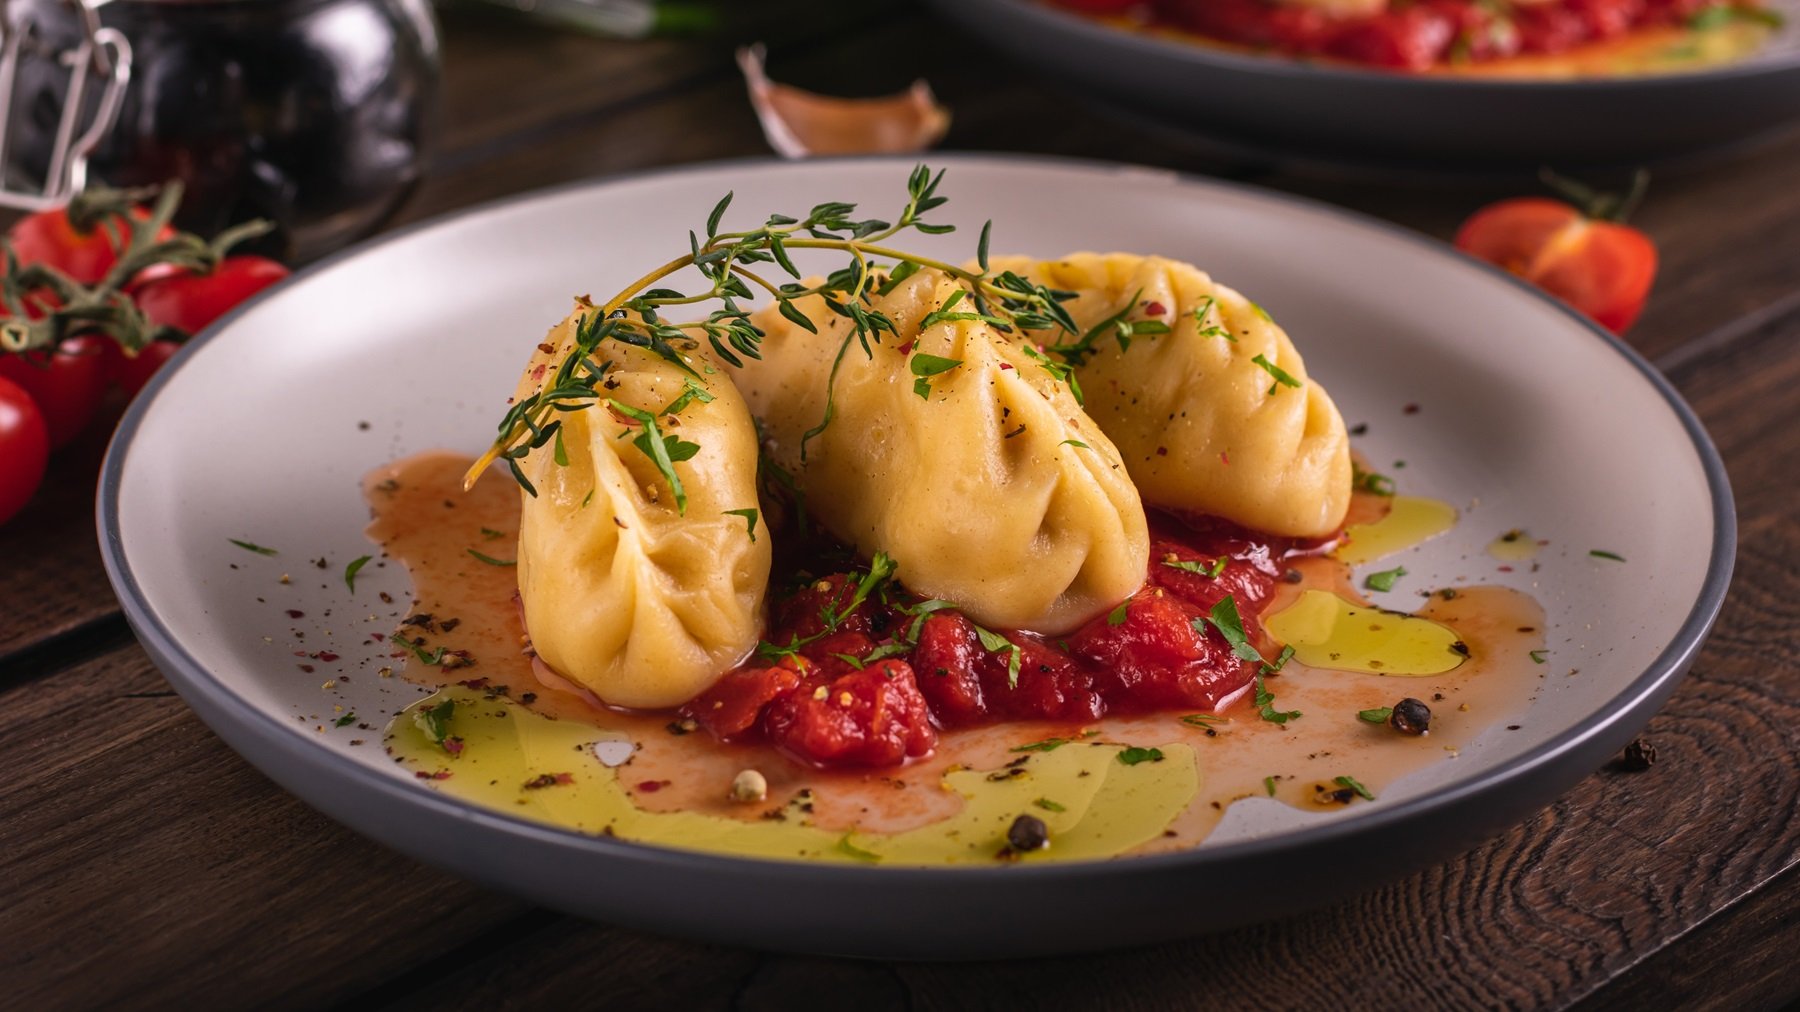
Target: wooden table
(142,860)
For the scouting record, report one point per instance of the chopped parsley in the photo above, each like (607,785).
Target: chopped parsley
(1051,744)
(1269,785)
(1187,566)
(490,534)
(1355,785)
(1075,442)
(1049,806)
(434,721)
(881,569)
(1282,378)
(490,560)
(1224,617)
(692,391)
(352,569)
(1116,617)
(346,720)
(749,514)
(1539,656)
(926,366)
(1132,755)
(947,314)
(1265,704)
(1370,481)
(1598,554)
(1203,720)
(1384,580)
(995,643)
(921,612)
(1260,311)
(251,546)
(1379,715)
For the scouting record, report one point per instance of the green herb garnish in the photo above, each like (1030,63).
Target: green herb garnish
(1116,617)
(352,569)
(435,720)
(1075,442)
(1598,554)
(490,560)
(1379,715)
(1282,378)
(1049,806)
(1132,755)
(1539,656)
(926,366)
(346,720)
(1269,785)
(664,449)
(1225,618)
(749,514)
(1212,571)
(1370,481)
(1265,704)
(251,546)
(1203,720)
(1384,580)
(995,643)
(1355,785)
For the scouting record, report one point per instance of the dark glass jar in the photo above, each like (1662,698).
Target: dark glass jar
(315,114)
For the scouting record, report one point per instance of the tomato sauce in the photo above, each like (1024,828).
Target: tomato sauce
(869,682)
(1414,36)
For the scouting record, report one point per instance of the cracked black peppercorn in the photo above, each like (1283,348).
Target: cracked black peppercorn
(1640,755)
(1410,716)
(1028,833)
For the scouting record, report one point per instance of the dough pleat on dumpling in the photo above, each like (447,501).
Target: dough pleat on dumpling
(640,602)
(994,491)
(1202,426)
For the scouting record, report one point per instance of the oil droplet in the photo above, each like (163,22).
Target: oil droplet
(512,759)
(1515,545)
(1329,632)
(1413,520)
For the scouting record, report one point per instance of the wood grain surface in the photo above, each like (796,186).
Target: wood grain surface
(143,862)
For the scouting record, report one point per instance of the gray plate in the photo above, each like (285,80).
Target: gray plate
(1332,113)
(253,433)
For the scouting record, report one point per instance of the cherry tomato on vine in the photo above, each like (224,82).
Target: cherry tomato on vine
(24,449)
(189,302)
(67,386)
(1588,258)
(49,237)
(131,372)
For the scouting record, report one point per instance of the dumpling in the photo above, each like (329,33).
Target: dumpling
(625,591)
(1215,416)
(959,455)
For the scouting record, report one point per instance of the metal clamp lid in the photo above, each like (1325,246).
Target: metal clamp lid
(103,54)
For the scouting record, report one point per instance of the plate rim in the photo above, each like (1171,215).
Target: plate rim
(1330,73)
(185,672)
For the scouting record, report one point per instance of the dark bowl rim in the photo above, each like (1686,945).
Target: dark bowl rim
(190,675)
(1141,44)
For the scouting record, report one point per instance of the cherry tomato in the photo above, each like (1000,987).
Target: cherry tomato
(67,385)
(1602,268)
(188,301)
(49,237)
(131,372)
(24,449)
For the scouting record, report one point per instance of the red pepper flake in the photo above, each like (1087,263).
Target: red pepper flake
(1155,309)
(543,780)
(1410,409)
(906,349)
(652,786)
(295,613)
(453,745)
(1224,458)
(306,668)
(438,775)
(326,656)
(377,637)
(473,683)
(1506,569)
(1006,365)
(1162,451)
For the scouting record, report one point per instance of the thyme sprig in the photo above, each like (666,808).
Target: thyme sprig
(634,316)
